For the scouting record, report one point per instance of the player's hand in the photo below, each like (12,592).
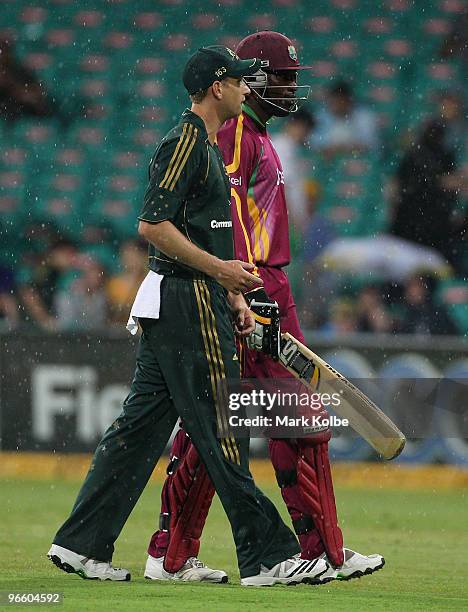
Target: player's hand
(235,276)
(244,322)
(266,335)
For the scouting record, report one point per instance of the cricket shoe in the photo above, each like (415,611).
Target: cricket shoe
(291,571)
(73,563)
(355,565)
(193,570)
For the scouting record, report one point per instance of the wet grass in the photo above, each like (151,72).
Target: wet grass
(422,535)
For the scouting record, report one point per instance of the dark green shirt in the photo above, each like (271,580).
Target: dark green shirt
(188,186)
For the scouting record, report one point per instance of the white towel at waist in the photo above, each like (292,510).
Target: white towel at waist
(147,301)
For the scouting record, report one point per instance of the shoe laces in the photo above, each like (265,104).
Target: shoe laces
(194,562)
(103,566)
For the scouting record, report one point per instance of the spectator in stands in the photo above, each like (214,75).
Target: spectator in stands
(456,43)
(420,314)
(451,113)
(318,230)
(83,305)
(344,126)
(39,282)
(291,146)
(9,312)
(20,92)
(318,283)
(372,315)
(342,318)
(121,289)
(426,193)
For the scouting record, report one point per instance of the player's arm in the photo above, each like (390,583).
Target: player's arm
(242,155)
(36,308)
(244,320)
(174,175)
(234,275)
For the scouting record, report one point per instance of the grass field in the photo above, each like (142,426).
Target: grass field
(422,535)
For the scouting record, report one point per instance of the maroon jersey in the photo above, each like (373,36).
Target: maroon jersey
(258,202)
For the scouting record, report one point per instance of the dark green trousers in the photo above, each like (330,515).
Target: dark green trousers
(182,358)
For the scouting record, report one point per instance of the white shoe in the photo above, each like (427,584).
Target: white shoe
(291,571)
(193,570)
(354,566)
(73,563)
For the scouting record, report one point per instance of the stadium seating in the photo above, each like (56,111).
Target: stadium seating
(115,68)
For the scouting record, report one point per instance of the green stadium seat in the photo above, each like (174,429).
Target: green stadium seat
(147,21)
(176,42)
(205,22)
(12,221)
(118,40)
(261,21)
(92,139)
(287,3)
(380,71)
(70,159)
(229,3)
(398,48)
(13,158)
(323,71)
(118,213)
(95,64)
(130,163)
(33,15)
(96,88)
(40,138)
(398,6)
(61,211)
(377,26)
(452,7)
(344,5)
(321,25)
(12,183)
(436,27)
(149,66)
(146,139)
(89,19)
(42,64)
(344,49)
(60,39)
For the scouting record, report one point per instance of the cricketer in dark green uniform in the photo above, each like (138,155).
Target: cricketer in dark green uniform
(182,357)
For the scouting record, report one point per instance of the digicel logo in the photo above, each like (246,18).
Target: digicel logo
(236,180)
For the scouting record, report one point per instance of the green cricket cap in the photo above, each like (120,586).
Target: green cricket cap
(215,63)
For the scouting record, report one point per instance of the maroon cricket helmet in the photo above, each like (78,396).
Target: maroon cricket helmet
(273,47)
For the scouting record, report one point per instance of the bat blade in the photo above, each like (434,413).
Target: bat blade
(365,417)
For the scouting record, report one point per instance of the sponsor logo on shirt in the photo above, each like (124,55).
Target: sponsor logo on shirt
(279,177)
(218,224)
(236,180)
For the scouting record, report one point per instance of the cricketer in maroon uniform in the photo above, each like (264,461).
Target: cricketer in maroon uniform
(261,237)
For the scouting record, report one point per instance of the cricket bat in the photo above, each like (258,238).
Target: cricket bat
(363,415)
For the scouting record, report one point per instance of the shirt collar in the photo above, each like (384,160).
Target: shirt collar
(253,115)
(192,117)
